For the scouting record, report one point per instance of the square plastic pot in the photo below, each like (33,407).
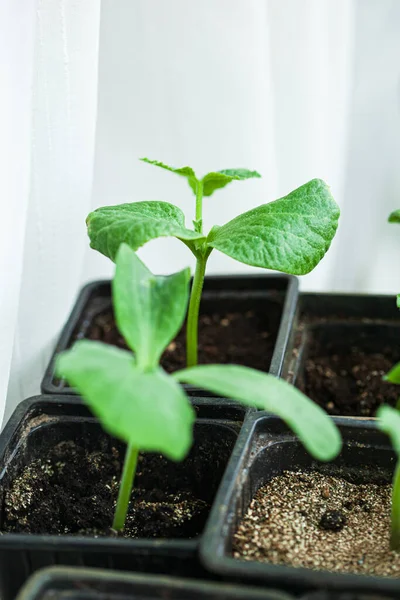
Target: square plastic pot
(335,322)
(236,293)
(266,448)
(37,425)
(97,584)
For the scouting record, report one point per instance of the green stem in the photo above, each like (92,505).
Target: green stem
(124,494)
(199,206)
(395,534)
(193,313)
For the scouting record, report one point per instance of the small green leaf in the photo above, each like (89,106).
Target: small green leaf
(219,179)
(291,234)
(135,224)
(389,423)
(149,410)
(311,424)
(398,301)
(394,217)
(149,309)
(183,171)
(394,374)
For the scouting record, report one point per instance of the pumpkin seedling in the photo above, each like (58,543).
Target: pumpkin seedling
(389,422)
(291,234)
(141,404)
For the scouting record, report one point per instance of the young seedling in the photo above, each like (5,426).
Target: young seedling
(389,422)
(291,234)
(145,407)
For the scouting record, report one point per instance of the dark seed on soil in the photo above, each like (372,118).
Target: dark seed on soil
(332,520)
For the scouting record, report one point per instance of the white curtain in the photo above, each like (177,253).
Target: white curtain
(295,89)
(62,129)
(16,69)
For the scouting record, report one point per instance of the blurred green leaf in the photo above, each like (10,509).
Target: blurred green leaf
(149,309)
(394,374)
(148,410)
(389,423)
(310,423)
(394,217)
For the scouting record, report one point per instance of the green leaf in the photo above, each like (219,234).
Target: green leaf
(149,309)
(149,410)
(135,224)
(311,424)
(394,374)
(394,217)
(389,423)
(291,234)
(183,171)
(219,179)
(212,181)
(398,301)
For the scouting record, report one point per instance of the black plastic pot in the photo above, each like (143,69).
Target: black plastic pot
(236,293)
(333,323)
(96,584)
(266,448)
(37,425)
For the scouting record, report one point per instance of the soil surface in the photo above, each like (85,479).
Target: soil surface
(349,383)
(246,338)
(308,519)
(74,491)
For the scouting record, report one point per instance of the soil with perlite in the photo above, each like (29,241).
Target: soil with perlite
(349,382)
(230,337)
(318,521)
(74,491)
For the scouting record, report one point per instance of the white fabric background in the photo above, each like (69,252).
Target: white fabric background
(294,89)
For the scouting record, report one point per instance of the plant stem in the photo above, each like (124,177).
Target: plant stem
(199,206)
(193,313)
(395,534)
(124,494)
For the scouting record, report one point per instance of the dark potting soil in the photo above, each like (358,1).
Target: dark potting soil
(312,520)
(246,338)
(74,491)
(349,383)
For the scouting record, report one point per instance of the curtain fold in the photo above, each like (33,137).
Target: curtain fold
(63,132)
(16,72)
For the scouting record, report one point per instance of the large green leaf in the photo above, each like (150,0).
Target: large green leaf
(291,234)
(183,171)
(389,423)
(394,217)
(149,309)
(394,374)
(148,410)
(311,424)
(219,179)
(135,224)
